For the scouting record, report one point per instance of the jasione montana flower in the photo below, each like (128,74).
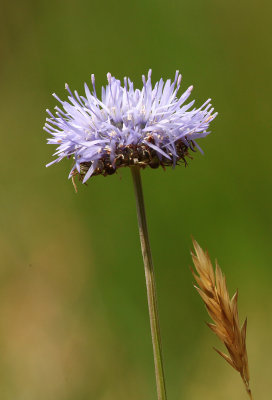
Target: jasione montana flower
(128,126)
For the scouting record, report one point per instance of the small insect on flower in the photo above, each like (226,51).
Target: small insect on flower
(147,127)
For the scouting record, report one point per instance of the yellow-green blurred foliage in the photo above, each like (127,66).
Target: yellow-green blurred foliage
(73,313)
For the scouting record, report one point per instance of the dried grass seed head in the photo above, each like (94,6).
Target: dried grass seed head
(223,310)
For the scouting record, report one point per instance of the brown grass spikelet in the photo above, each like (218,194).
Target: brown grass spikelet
(223,310)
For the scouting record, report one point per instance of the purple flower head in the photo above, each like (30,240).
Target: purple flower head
(128,126)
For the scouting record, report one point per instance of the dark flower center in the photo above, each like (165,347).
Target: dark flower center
(141,155)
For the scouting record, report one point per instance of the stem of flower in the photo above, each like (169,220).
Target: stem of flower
(150,284)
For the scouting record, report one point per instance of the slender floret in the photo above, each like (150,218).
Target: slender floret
(128,126)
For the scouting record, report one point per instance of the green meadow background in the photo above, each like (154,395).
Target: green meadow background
(73,313)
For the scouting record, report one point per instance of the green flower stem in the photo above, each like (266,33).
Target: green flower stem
(150,284)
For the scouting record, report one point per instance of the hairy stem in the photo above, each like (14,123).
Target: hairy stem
(150,284)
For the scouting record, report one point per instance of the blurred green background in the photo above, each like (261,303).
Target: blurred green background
(73,313)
